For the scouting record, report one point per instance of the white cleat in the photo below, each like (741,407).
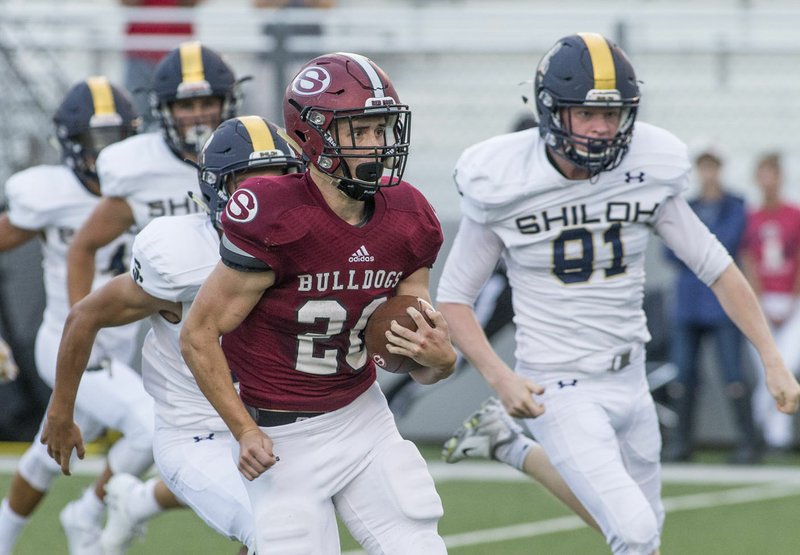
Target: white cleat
(8,368)
(121,529)
(83,535)
(482,433)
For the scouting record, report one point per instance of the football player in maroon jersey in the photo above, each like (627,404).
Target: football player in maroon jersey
(306,259)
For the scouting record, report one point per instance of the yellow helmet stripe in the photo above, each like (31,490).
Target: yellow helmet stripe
(192,62)
(605,75)
(260,133)
(102,96)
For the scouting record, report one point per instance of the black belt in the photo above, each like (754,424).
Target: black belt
(268,418)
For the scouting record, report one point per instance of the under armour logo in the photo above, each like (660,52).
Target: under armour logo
(629,177)
(564,383)
(198,439)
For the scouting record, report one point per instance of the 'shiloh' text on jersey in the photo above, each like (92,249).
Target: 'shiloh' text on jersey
(576,215)
(168,207)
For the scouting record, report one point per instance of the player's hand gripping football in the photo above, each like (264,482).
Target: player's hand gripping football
(783,387)
(429,345)
(62,435)
(255,453)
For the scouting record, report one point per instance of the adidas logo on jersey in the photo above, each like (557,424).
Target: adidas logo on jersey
(361,255)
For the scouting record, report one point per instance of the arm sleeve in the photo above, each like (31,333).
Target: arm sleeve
(472,259)
(691,241)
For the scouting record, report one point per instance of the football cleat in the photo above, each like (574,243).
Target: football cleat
(8,368)
(479,437)
(83,535)
(120,529)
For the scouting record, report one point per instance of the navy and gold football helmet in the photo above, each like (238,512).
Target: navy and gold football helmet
(588,70)
(93,115)
(238,145)
(191,71)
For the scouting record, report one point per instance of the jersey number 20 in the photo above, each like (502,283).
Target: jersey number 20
(317,352)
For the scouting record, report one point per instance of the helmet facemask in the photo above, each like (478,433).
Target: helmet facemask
(198,130)
(380,165)
(591,153)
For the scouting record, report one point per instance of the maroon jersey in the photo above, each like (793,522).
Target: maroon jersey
(302,346)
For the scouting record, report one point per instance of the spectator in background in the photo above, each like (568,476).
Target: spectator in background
(698,314)
(139,64)
(771,261)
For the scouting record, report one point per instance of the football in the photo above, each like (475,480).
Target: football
(380,322)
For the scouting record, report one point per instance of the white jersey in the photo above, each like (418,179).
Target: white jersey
(172,257)
(52,200)
(574,248)
(149,176)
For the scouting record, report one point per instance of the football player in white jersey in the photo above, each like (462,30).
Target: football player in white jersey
(570,209)
(172,257)
(193,91)
(52,202)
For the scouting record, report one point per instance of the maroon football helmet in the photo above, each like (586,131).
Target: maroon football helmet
(343,87)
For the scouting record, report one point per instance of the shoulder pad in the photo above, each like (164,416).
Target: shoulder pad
(275,201)
(173,255)
(659,153)
(123,167)
(35,195)
(493,174)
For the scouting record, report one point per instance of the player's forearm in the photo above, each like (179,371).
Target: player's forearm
(741,305)
(80,272)
(73,356)
(206,360)
(469,338)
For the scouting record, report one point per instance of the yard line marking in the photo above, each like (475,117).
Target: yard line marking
(670,473)
(90,466)
(568,523)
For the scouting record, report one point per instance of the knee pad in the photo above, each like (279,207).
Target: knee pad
(406,476)
(428,542)
(130,456)
(36,466)
(288,528)
(640,537)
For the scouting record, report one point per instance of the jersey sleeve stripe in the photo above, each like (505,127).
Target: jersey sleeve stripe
(239,259)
